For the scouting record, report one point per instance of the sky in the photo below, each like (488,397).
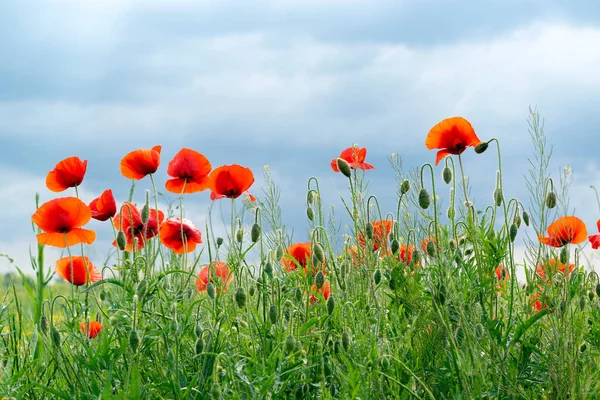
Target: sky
(288,84)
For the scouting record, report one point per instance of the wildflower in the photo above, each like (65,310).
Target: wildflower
(129,220)
(189,170)
(563,231)
(104,207)
(139,163)
(536,303)
(207,274)
(551,267)
(297,254)
(230,181)
(61,220)
(93,329)
(595,239)
(406,254)
(452,136)
(177,234)
(355,157)
(503,276)
(325,291)
(381,232)
(77,270)
(67,173)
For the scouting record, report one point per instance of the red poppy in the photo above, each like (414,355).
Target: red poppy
(230,181)
(139,163)
(67,173)
(452,136)
(219,269)
(94,329)
(133,227)
(189,170)
(78,270)
(405,254)
(563,231)
(503,276)
(355,157)
(296,254)
(381,232)
(595,239)
(536,303)
(356,256)
(176,235)
(104,207)
(325,291)
(551,267)
(61,220)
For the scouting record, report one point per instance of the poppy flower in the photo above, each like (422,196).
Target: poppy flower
(219,269)
(176,235)
(503,276)
(356,255)
(536,303)
(129,220)
(189,170)
(77,270)
(296,254)
(405,254)
(595,239)
(355,157)
(230,181)
(452,136)
(325,291)
(381,232)
(563,231)
(93,330)
(104,207)
(139,163)
(551,267)
(67,173)
(61,220)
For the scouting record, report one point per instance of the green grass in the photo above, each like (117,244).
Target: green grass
(443,326)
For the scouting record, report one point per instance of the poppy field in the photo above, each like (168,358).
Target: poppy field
(428,300)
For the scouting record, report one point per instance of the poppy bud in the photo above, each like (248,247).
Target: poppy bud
(44,324)
(310,214)
(526,218)
(450,212)
(479,331)
(582,348)
(102,295)
(298,295)
(198,330)
(447,175)
(377,277)
(142,288)
(239,236)
(468,252)
(582,302)
(369,230)
(551,200)
(134,340)
(330,305)
(279,252)
(290,343)
(498,197)
(55,336)
(251,291)
(598,290)
(416,257)
(405,186)
(240,297)
(564,256)
(344,167)
(269,268)
(273,314)
(430,249)
(145,213)
(385,363)
(319,280)
(395,246)
(452,244)
(513,232)
(319,252)
(255,233)
(481,147)
(309,197)
(345,341)
(336,347)
(99,317)
(121,240)
(219,242)
(424,199)
(476,312)
(215,391)
(199,346)
(591,295)
(210,290)
(517,220)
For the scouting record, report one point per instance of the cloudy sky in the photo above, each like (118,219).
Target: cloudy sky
(288,84)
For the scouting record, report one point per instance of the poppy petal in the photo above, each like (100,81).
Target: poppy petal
(334,165)
(595,241)
(139,163)
(67,173)
(440,156)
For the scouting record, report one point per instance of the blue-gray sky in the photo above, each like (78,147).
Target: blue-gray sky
(288,84)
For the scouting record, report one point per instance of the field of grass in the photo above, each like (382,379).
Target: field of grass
(418,302)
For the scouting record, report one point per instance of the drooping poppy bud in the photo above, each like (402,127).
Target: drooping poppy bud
(395,246)
(377,277)
(424,199)
(134,340)
(551,200)
(310,214)
(290,343)
(345,341)
(369,230)
(526,218)
(219,242)
(255,233)
(199,346)
(513,232)
(447,175)
(481,147)
(273,314)
(319,279)
(319,252)
(240,297)
(330,305)
(405,186)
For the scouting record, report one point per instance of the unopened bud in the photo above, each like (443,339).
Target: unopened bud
(330,305)
(145,213)
(240,297)
(269,268)
(564,256)
(526,218)
(239,236)
(255,233)
(395,246)
(481,147)
(310,197)
(447,175)
(319,252)
(298,295)
(345,341)
(369,230)
(215,391)
(551,200)
(44,324)
(424,199)
(55,336)
(310,214)
(142,288)
(498,197)
(290,343)
(517,220)
(405,186)
(430,249)
(134,340)
(513,232)
(199,346)
(279,252)
(121,240)
(319,280)
(273,314)
(344,167)
(210,290)
(377,277)
(219,242)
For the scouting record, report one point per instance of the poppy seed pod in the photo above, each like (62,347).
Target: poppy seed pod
(481,147)
(319,280)
(219,242)
(240,297)
(369,230)
(513,232)
(273,314)
(210,290)
(239,235)
(344,167)
(310,214)
(405,186)
(424,199)
(377,277)
(121,240)
(526,218)
(498,197)
(255,233)
(330,305)
(551,200)
(290,344)
(447,175)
